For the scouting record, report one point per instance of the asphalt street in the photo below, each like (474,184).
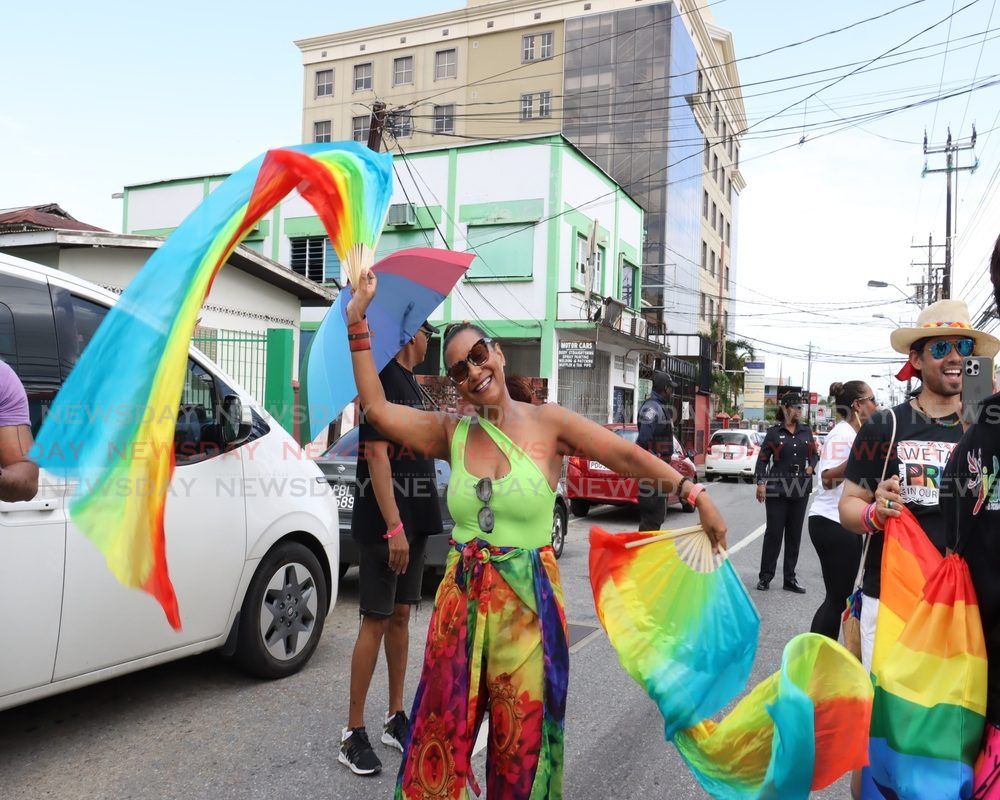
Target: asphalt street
(199,729)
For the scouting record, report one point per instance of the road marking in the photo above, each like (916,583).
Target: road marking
(753,536)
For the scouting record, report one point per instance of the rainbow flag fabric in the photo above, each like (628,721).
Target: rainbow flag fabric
(930,679)
(111,427)
(686,631)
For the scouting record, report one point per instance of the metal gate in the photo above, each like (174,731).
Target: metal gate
(241,354)
(585,391)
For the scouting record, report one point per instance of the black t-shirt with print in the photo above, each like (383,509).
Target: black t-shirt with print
(919,458)
(970,504)
(413,477)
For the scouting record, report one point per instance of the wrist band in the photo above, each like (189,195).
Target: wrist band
(696,490)
(869,519)
(395,531)
(361,326)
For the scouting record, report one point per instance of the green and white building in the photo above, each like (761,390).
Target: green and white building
(543,221)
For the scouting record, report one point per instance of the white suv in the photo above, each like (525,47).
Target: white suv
(251,529)
(732,452)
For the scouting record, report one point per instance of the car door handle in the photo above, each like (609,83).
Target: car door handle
(29,505)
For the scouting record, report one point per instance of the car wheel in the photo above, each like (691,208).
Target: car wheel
(559,523)
(283,612)
(580,508)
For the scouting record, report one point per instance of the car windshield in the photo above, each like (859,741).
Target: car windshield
(627,434)
(345,447)
(729,437)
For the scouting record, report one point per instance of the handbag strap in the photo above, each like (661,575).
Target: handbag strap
(868,536)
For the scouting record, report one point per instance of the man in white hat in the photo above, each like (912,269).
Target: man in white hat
(927,428)
(970,503)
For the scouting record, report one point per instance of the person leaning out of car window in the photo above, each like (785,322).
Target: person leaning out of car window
(18,473)
(656,434)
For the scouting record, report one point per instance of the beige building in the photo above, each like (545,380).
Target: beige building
(607,74)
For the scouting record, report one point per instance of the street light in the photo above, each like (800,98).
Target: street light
(886,285)
(887,319)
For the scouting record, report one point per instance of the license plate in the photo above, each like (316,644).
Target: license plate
(345,502)
(598,465)
(728,456)
(343,495)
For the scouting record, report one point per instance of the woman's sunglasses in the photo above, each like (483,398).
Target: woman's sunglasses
(940,348)
(484,492)
(478,355)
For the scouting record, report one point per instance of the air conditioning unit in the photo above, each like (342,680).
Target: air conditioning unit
(401,214)
(639,327)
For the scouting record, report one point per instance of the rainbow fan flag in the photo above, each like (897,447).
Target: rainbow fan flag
(929,671)
(111,427)
(686,631)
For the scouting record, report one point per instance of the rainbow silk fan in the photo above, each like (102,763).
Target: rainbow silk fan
(128,382)
(686,631)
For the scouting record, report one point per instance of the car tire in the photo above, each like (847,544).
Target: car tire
(288,587)
(580,508)
(560,522)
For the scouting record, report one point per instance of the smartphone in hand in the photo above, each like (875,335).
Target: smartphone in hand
(977,386)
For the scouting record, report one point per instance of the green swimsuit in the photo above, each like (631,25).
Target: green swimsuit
(522,499)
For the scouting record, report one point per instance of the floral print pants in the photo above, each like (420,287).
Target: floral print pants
(496,643)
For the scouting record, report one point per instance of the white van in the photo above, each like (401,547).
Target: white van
(251,526)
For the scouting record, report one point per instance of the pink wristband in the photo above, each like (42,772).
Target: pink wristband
(394,531)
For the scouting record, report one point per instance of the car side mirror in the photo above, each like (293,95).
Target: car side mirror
(237,420)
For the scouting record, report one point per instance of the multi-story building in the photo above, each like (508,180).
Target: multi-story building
(648,90)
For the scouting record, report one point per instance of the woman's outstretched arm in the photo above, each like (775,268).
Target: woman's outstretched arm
(424,432)
(579,436)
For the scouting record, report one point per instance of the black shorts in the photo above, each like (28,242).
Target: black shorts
(381,588)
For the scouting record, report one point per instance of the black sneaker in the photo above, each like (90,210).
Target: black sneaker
(395,730)
(356,752)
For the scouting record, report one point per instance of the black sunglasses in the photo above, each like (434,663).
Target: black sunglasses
(484,493)
(478,355)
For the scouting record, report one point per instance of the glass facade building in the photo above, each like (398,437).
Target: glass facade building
(629,78)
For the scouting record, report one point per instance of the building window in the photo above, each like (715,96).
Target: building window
(363,77)
(702,305)
(722,179)
(708,96)
(630,279)
(716,117)
(729,243)
(711,308)
(526,103)
(730,148)
(323,131)
(359,128)
(704,204)
(324,83)
(729,191)
(715,209)
(544,104)
(727,276)
(445,64)
(582,257)
(725,322)
(307,257)
(708,153)
(715,168)
(444,118)
(402,71)
(712,262)
(537,46)
(701,81)
(401,124)
(725,130)
(704,255)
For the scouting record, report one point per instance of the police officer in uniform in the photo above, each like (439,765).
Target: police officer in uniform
(784,471)
(656,434)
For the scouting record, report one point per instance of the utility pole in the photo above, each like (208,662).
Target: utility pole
(376,126)
(928,289)
(951,148)
(809,374)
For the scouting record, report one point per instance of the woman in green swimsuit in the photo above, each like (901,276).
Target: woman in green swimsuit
(497,636)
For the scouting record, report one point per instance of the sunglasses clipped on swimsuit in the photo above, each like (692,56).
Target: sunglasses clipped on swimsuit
(484,493)
(478,355)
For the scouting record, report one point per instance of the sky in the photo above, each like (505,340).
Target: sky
(105,95)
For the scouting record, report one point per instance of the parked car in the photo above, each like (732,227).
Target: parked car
(339,464)
(732,453)
(589,483)
(248,525)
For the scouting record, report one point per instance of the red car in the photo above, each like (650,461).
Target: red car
(589,483)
